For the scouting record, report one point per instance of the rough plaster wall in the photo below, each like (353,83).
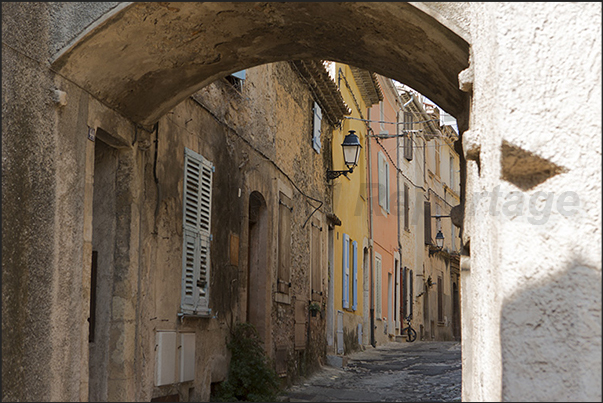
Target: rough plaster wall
(70,19)
(535,276)
(41,288)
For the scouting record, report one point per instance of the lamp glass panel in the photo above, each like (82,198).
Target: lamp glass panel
(350,155)
(440,239)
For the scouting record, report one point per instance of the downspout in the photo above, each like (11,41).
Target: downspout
(398,164)
(370,197)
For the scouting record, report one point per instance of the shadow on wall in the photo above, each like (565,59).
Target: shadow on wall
(551,339)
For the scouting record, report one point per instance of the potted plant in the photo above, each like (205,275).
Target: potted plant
(314,307)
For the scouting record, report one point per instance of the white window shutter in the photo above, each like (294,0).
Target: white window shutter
(203,277)
(190,262)
(205,197)
(386,169)
(346,270)
(381,168)
(198,173)
(355,275)
(317,128)
(192,174)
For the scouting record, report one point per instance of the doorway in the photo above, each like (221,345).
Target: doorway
(104,213)
(257,275)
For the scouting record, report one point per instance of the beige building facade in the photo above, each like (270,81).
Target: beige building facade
(530,177)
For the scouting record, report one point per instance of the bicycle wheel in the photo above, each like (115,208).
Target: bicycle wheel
(411,335)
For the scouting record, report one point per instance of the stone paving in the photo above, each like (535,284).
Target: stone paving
(423,371)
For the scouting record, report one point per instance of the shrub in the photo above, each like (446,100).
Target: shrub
(251,376)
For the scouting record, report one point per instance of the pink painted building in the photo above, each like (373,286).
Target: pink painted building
(384,210)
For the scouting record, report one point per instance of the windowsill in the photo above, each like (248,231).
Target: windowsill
(202,314)
(282,298)
(441,324)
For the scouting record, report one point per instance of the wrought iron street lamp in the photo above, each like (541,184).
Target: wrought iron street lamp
(440,239)
(351,151)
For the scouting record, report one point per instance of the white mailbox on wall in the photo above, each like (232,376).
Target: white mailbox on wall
(187,357)
(165,358)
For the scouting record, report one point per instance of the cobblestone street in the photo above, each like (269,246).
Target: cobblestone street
(396,372)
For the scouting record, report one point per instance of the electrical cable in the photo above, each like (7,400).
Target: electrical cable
(263,155)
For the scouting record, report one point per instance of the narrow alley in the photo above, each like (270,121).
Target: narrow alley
(396,372)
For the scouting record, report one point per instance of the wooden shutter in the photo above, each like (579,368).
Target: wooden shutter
(346,271)
(381,172)
(410,286)
(406,207)
(408,144)
(404,305)
(284,243)
(387,191)
(190,257)
(440,301)
(354,275)
(317,128)
(198,176)
(316,261)
(427,216)
(378,279)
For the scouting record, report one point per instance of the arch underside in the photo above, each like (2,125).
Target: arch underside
(147,57)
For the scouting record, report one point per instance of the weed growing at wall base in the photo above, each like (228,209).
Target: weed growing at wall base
(251,377)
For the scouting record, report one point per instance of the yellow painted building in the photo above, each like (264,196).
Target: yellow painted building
(351,246)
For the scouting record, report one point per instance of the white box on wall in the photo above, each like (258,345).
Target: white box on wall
(187,357)
(165,358)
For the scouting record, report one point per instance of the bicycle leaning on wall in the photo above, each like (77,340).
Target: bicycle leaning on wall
(411,334)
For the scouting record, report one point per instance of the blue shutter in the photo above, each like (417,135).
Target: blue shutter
(239,74)
(355,275)
(346,270)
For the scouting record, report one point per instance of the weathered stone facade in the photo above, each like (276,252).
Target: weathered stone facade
(494,66)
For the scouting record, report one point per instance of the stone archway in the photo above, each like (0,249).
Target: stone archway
(142,59)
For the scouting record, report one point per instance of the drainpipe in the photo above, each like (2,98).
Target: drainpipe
(398,164)
(370,197)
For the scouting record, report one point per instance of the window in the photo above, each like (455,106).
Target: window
(316,128)
(383,181)
(378,301)
(350,273)
(408,146)
(451,172)
(284,243)
(440,301)
(406,208)
(237,79)
(345,258)
(427,217)
(354,253)
(453,235)
(381,115)
(196,222)
(437,158)
(316,256)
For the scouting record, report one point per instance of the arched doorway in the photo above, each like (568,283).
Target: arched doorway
(257,274)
